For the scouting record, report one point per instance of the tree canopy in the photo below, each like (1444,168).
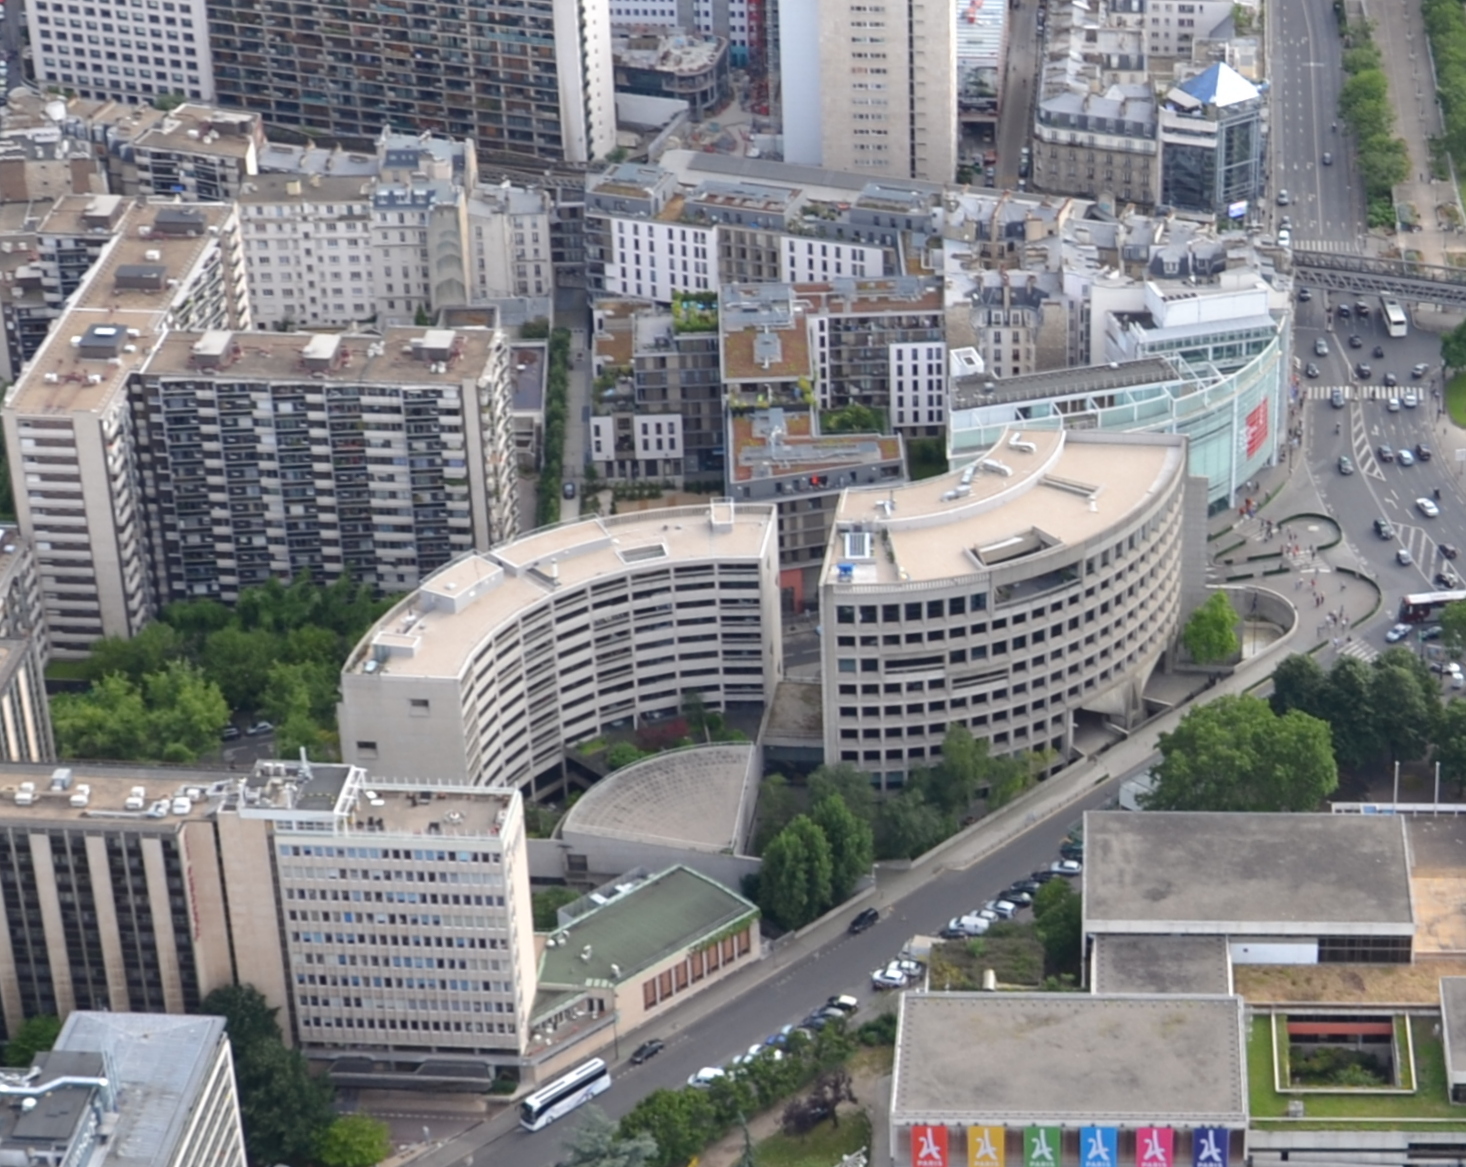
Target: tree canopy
(593,1142)
(796,879)
(1210,634)
(34,1035)
(354,1140)
(1235,753)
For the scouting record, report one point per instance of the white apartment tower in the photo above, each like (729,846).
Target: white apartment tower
(113,50)
(870,86)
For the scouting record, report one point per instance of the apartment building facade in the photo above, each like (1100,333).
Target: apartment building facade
(494,666)
(525,84)
(1006,596)
(263,456)
(67,420)
(25,718)
(120,52)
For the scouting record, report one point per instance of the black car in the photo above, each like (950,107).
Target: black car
(1342,311)
(1304,295)
(1030,886)
(1385,454)
(1071,851)
(1379,351)
(867,919)
(1391,380)
(1448,550)
(1310,370)
(647,1050)
(1423,454)
(1355,342)
(1044,876)
(1021,899)
(1363,371)
(1361,308)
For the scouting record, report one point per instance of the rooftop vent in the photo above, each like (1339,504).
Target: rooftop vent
(100,342)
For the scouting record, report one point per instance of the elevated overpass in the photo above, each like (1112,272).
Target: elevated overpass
(1408,282)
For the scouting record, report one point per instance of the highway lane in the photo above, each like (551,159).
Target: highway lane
(1307,73)
(841,966)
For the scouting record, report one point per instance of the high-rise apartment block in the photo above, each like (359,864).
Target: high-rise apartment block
(526,83)
(109,49)
(25,720)
(870,87)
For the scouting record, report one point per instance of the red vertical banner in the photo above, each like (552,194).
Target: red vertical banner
(1155,1146)
(929,1146)
(1257,428)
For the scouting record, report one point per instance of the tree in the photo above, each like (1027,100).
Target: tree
(679,1121)
(239,663)
(108,721)
(354,1140)
(147,652)
(795,878)
(853,786)
(1453,627)
(594,1143)
(777,806)
(1453,347)
(1405,703)
(622,754)
(1058,918)
(185,711)
(248,1017)
(1450,744)
(546,905)
(851,843)
(1347,705)
(1237,754)
(908,826)
(852,419)
(1211,633)
(1299,683)
(35,1035)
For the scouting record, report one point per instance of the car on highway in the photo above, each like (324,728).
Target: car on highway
(1336,397)
(1328,158)
(1397,633)
(1403,557)
(1361,308)
(1068,868)
(1304,295)
(1379,352)
(1423,454)
(1410,397)
(1346,465)
(1284,198)
(1363,371)
(706,1076)
(867,919)
(1393,405)
(1391,381)
(1405,458)
(647,1050)
(1310,370)
(1418,371)
(1385,454)
(1320,347)
(1382,527)
(1427,507)
(1356,341)
(1448,550)
(1342,311)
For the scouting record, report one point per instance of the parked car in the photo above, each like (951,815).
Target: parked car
(706,1076)
(229,733)
(1021,886)
(1003,909)
(1045,875)
(1022,898)
(568,490)
(1068,868)
(843,1002)
(1071,850)
(1346,464)
(647,1050)
(889,977)
(1427,506)
(867,919)
(258,728)
(1397,633)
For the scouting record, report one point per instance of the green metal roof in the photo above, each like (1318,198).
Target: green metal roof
(667,914)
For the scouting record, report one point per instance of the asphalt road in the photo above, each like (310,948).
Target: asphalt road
(842,966)
(1379,489)
(1021,66)
(1326,204)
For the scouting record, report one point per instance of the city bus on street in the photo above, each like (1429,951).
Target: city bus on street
(1394,317)
(1423,606)
(564,1094)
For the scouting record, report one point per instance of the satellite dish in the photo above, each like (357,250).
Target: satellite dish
(56,111)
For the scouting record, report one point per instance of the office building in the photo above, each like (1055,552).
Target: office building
(1211,136)
(265,456)
(870,87)
(500,661)
(122,52)
(527,85)
(169,1097)
(1039,585)
(67,422)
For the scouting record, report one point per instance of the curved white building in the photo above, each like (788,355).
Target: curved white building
(500,660)
(1044,580)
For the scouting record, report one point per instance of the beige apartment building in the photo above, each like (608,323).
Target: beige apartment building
(1039,584)
(66,419)
(495,665)
(870,87)
(25,719)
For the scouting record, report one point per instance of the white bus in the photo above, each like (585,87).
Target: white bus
(564,1094)
(1394,317)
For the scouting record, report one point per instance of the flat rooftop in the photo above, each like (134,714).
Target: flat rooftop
(642,926)
(1161,964)
(162,1062)
(1246,874)
(389,359)
(1453,1026)
(315,188)
(437,629)
(992,519)
(1064,382)
(527,379)
(758,454)
(110,787)
(694,797)
(1052,1058)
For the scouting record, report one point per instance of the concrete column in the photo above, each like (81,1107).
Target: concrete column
(164,939)
(106,900)
(51,922)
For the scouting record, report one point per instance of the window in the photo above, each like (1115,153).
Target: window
(418,706)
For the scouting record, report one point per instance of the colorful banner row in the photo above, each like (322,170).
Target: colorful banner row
(1099,1146)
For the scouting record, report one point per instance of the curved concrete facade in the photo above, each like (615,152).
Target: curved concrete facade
(1047,579)
(495,665)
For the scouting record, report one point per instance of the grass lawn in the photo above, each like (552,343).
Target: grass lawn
(66,670)
(1430,1100)
(1456,398)
(824,1146)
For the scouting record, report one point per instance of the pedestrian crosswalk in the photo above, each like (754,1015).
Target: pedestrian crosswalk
(1357,648)
(1337,246)
(1313,392)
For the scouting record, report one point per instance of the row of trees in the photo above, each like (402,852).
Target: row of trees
(814,863)
(165,694)
(1445,25)
(552,463)
(1364,104)
(287,1113)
